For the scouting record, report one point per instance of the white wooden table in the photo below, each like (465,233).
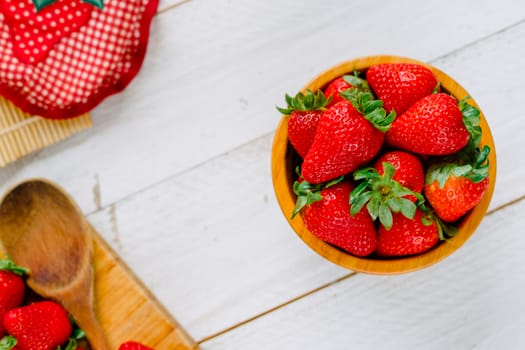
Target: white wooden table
(175,174)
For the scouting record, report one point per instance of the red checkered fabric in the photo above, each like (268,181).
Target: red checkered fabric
(69,76)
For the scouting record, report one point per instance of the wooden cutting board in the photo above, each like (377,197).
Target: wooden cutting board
(127,310)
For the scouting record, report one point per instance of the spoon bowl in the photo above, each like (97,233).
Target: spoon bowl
(41,228)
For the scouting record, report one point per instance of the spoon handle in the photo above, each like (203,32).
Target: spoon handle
(88,322)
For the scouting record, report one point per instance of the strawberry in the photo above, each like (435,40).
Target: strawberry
(408,236)
(42,325)
(133,345)
(383,189)
(400,85)
(435,125)
(304,110)
(346,137)
(409,170)
(452,189)
(326,212)
(34,33)
(334,88)
(338,85)
(12,288)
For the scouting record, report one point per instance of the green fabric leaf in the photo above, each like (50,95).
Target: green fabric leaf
(40,4)
(97,3)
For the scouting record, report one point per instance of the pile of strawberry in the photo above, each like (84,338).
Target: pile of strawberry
(387,165)
(28,322)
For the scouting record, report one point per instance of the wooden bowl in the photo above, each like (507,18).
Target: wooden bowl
(284,160)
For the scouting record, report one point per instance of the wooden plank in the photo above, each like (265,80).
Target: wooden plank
(167,5)
(128,311)
(199,260)
(142,136)
(473,299)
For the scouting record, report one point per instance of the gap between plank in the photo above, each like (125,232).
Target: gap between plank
(475,42)
(324,286)
(170,7)
(277,307)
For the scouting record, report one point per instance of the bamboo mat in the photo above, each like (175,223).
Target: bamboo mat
(22,134)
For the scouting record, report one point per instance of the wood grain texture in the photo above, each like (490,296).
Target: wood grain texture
(208,256)
(472,300)
(127,310)
(283,175)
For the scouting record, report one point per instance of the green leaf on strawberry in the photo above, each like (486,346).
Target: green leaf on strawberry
(9,265)
(8,342)
(383,195)
(471,164)
(356,82)
(308,193)
(471,119)
(371,108)
(308,101)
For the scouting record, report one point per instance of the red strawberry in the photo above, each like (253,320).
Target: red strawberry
(12,288)
(408,236)
(338,85)
(345,139)
(42,325)
(453,189)
(34,33)
(326,213)
(304,110)
(393,186)
(434,125)
(400,85)
(334,88)
(456,197)
(409,170)
(133,345)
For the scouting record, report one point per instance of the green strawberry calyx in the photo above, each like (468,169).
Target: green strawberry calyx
(356,82)
(445,231)
(307,101)
(471,164)
(383,195)
(308,193)
(371,108)
(8,342)
(9,265)
(471,119)
(40,4)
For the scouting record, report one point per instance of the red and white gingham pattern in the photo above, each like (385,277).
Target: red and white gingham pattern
(83,68)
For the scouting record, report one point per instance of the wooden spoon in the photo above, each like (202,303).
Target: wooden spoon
(41,228)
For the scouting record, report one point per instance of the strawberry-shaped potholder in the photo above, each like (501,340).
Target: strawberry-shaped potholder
(60,58)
